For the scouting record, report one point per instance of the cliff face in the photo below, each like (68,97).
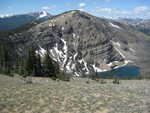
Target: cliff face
(83,44)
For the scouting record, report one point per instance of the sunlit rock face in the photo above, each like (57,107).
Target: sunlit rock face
(83,44)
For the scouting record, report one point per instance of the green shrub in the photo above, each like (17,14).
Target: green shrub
(63,76)
(28,80)
(116,81)
(95,77)
(102,81)
(87,82)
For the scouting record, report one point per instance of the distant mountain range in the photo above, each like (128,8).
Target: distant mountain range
(81,43)
(142,25)
(12,22)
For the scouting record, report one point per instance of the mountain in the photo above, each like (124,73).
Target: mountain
(130,20)
(142,25)
(84,44)
(12,22)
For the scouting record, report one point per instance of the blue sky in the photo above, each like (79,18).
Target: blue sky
(101,8)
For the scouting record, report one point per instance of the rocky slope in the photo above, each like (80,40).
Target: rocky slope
(83,44)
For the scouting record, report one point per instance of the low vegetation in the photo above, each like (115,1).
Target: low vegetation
(44,95)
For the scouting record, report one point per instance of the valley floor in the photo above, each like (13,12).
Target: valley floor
(47,96)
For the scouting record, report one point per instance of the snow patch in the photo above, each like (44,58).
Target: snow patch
(75,56)
(50,25)
(76,74)
(125,63)
(65,45)
(62,28)
(60,55)
(43,14)
(132,50)
(110,64)
(85,64)
(96,69)
(120,53)
(73,66)
(117,43)
(74,35)
(68,69)
(65,48)
(117,47)
(41,51)
(80,61)
(53,55)
(115,26)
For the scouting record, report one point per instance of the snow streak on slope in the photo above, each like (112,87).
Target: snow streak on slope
(115,26)
(65,49)
(41,51)
(87,70)
(117,47)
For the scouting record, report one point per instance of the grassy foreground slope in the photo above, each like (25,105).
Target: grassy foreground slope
(47,96)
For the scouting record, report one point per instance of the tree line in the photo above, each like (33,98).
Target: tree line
(30,65)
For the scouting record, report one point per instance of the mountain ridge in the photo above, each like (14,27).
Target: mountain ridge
(84,44)
(16,21)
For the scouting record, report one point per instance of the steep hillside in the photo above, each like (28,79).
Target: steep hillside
(84,44)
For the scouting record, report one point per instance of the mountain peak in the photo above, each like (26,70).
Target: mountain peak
(74,15)
(73,12)
(43,14)
(39,14)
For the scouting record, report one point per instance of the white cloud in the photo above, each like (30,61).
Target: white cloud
(110,10)
(82,5)
(137,12)
(141,12)
(48,7)
(141,9)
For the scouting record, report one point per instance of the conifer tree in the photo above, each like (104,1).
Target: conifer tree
(31,62)
(38,64)
(6,60)
(1,58)
(48,65)
(21,68)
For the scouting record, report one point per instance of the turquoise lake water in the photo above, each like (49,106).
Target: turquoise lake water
(126,71)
